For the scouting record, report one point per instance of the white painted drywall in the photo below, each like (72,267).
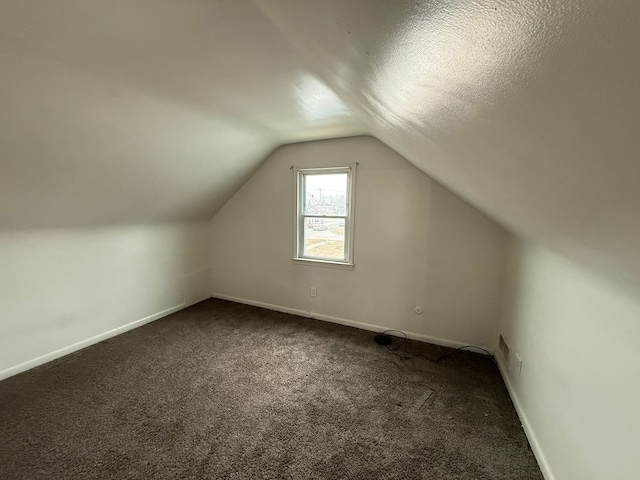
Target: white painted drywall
(529,110)
(579,389)
(59,287)
(145,114)
(416,244)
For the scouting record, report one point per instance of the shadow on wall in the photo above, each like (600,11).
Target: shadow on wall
(576,334)
(464,265)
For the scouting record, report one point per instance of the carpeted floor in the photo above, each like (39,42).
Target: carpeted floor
(228,391)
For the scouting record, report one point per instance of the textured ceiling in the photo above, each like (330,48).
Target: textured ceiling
(125,111)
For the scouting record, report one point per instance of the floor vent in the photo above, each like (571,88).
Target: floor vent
(504,348)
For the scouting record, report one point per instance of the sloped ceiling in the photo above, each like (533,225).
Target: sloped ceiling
(122,111)
(130,110)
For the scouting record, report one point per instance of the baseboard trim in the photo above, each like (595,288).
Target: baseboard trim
(343,321)
(531,436)
(29,364)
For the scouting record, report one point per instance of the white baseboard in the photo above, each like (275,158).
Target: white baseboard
(347,322)
(531,436)
(29,364)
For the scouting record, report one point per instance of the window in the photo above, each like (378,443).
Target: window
(324,215)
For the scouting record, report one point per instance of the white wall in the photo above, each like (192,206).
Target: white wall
(528,110)
(416,244)
(59,287)
(579,389)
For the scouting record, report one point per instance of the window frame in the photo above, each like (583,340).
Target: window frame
(300,216)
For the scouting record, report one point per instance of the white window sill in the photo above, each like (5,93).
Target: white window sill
(323,263)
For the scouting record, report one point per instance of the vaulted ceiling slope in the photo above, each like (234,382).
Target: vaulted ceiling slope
(122,111)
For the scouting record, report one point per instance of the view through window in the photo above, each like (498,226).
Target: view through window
(324,214)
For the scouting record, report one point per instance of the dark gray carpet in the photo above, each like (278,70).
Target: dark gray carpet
(223,390)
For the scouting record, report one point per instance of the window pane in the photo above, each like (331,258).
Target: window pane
(325,194)
(324,237)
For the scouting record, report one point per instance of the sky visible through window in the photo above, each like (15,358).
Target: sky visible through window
(326,194)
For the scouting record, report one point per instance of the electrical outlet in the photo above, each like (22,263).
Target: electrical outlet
(517,364)
(314,292)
